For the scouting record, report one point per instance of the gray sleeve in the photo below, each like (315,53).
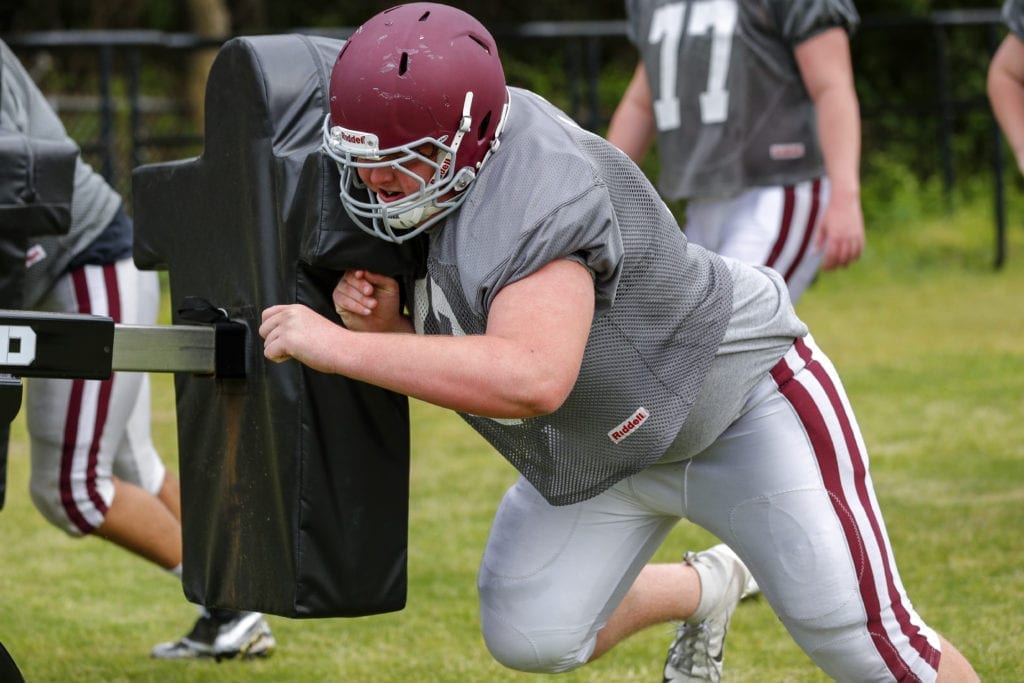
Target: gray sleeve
(800,20)
(584,230)
(1013,15)
(25,109)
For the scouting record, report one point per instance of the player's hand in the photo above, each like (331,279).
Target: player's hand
(297,331)
(842,232)
(368,302)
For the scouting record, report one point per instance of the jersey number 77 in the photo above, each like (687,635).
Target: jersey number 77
(716,18)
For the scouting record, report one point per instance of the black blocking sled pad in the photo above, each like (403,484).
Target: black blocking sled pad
(294,483)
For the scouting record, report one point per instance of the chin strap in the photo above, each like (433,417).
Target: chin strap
(413,217)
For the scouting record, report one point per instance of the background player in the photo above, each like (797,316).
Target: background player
(94,468)
(633,379)
(753,106)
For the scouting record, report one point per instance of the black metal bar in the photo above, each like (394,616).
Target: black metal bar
(573,77)
(945,106)
(82,346)
(35,344)
(593,76)
(135,121)
(106,61)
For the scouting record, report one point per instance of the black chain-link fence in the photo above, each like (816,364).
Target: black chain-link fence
(123,94)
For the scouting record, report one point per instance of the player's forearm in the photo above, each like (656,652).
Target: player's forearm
(477,374)
(839,134)
(632,127)
(632,131)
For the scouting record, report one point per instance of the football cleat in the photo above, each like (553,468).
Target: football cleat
(696,654)
(221,634)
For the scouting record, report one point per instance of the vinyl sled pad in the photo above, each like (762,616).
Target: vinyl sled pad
(294,483)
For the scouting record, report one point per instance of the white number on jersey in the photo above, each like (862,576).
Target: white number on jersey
(701,17)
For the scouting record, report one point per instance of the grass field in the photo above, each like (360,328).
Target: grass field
(930,340)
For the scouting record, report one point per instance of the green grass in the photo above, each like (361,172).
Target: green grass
(930,341)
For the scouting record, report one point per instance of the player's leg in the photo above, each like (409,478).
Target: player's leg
(772,226)
(551,576)
(793,252)
(137,461)
(170,494)
(77,430)
(787,487)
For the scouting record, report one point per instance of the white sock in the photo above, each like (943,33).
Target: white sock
(714,576)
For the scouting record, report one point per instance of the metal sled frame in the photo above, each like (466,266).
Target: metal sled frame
(82,346)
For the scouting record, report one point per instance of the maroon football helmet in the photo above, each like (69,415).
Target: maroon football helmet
(414,74)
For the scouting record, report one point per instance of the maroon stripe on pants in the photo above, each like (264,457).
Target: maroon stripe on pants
(71,424)
(789,200)
(825,452)
(812,218)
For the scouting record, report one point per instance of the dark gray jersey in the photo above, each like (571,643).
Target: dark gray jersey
(1013,15)
(730,105)
(553,190)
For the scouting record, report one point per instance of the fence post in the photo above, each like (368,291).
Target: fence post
(106,60)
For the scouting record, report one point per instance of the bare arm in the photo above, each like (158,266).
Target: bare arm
(632,126)
(1006,93)
(524,365)
(827,72)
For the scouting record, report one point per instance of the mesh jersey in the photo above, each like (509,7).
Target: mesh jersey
(730,105)
(555,191)
(24,109)
(1013,15)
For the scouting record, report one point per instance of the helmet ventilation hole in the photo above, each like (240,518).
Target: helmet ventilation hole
(485,123)
(481,44)
(424,17)
(403,64)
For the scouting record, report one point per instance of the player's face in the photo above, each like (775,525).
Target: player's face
(391,183)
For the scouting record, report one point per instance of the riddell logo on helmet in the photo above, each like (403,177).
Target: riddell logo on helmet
(630,425)
(355,141)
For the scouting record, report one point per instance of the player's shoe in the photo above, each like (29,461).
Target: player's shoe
(696,653)
(221,634)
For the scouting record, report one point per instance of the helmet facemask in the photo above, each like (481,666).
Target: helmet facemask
(404,218)
(414,75)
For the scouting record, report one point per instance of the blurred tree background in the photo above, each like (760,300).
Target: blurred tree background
(248,16)
(920,81)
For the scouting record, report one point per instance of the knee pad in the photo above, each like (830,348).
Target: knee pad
(535,651)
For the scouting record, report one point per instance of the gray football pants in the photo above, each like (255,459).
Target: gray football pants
(84,431)
(786,486)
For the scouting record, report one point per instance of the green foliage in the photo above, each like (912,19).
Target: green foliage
(893,194)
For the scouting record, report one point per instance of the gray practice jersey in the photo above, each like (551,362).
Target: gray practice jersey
(1013,15)
(730,105)
(24,109)
(662,307)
